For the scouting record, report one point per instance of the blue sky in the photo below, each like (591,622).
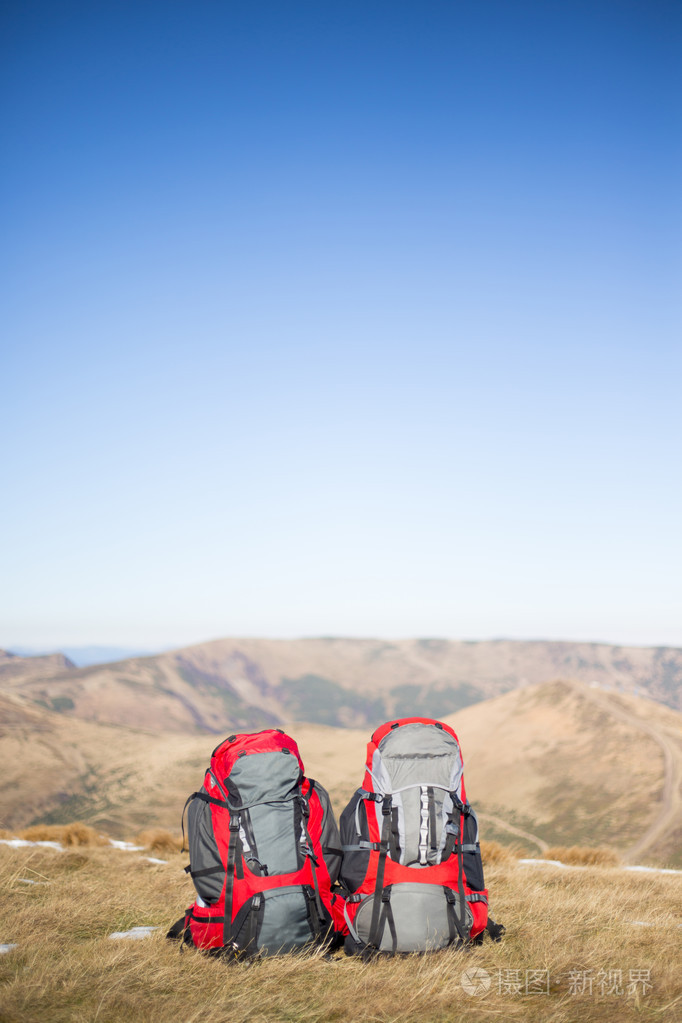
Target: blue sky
(341,318)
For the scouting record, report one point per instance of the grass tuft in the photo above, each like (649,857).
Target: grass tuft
(159,840)
(70,835)
(494,852)
(583,856)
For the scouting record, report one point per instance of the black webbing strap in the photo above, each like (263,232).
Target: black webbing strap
(377,925)
(205,872)
(395,834)
(454,926)
(239,857)
(210,799)
(460,878)
(319,924)
(180,931)
(182,819)
(432,823)
(495,930)
(249,931)
(387,917)
(310,852)
(454,829)
(247,825)
(229,878)
(451,836)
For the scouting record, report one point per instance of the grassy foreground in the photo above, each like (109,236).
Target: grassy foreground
(579,925)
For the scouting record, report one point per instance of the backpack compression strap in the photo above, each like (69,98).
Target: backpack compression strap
(308,850)
(453,843)
(228,936)
(378,919)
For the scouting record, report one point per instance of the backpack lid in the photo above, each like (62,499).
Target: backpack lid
(413,752)
(260,767)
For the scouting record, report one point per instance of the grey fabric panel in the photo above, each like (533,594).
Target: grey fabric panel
(420,915)
(203,851)
(413,755)
(418,754)
(331,839)
(262,777)
(276,840)
(285,925)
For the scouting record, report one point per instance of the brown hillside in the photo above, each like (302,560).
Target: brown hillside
(570,764)
(253,683)
(14,668)
(544,765)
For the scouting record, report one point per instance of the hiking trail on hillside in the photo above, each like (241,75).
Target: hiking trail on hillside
(670,811)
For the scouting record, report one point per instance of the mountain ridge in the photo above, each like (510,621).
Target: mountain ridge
(252,683)
(556,763)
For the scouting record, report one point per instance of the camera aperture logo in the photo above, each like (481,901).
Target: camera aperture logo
(475,981)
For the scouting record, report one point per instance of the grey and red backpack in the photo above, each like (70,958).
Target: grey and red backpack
(264,853)
(411,856)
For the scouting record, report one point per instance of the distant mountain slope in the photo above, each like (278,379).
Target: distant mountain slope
(82,656)
(559,763)
(252,683)
(574,764)
(14,668)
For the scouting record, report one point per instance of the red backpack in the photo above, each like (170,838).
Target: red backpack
(264,852)
(411,856)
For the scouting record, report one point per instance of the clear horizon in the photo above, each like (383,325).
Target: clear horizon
(123,651)
(341,321)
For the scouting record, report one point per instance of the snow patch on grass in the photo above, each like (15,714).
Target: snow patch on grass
(134,934)
(655,870)
(22,843)
(575,866)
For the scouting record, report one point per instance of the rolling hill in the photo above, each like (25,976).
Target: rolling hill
(555,763)
(352,683)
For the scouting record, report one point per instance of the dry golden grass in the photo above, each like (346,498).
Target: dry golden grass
(66,970)
(159,840)
(494,852)
(76,834)
(583,856)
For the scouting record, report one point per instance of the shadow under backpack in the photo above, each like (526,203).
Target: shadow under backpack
(264,852)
